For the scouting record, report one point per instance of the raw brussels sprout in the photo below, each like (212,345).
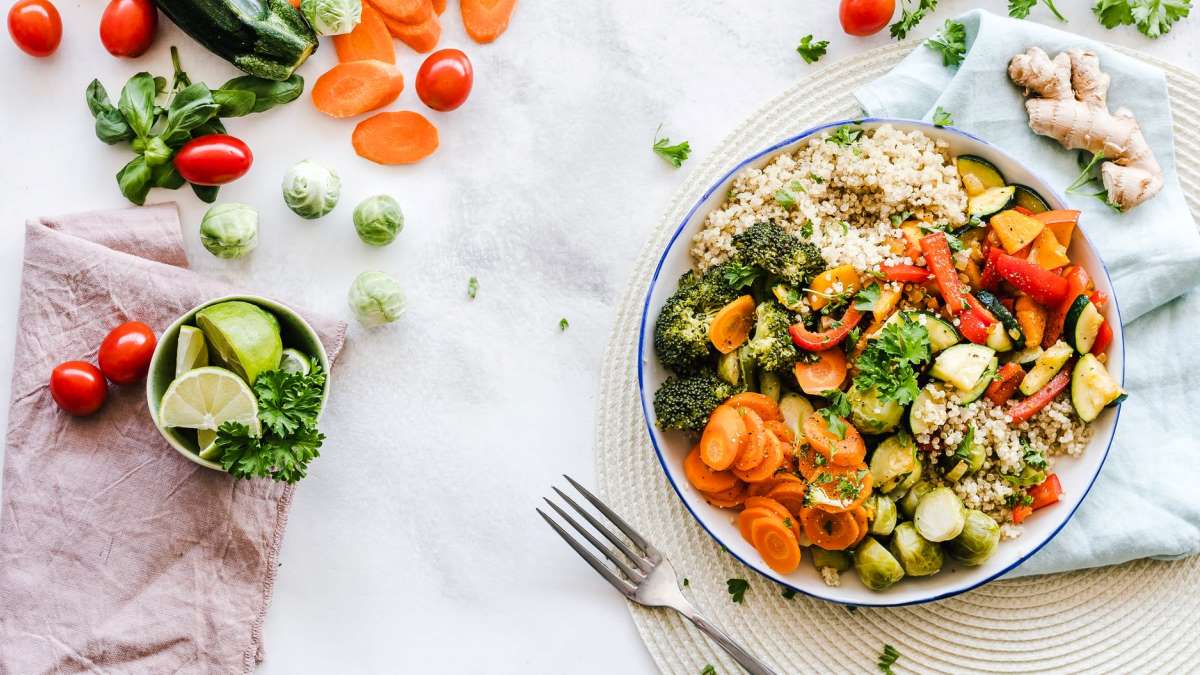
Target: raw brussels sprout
(376,298)
(893,460)
(311,190)
(877,569)
(229,230)
(978,539)
(872,415)
(917,555)
(908,504)
(883,514)
(838,560)
(331,17)
(378,220)
(940,515)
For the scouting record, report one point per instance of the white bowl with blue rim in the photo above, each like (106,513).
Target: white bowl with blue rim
(1076,474)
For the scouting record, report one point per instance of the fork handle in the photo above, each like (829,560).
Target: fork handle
(739,653)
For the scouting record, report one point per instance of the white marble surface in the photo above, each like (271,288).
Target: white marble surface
(414,546)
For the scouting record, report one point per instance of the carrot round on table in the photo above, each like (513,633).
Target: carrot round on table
(766,408)
(401,137)
(722,438)
(849,450)
(486,20)
(754,443)
(731,325)
(370,40)
(769,464)
(356,87)
(776,543)
(831,531)
(405,11)
(704,478)
(827,372)
(727,499)
(422,36)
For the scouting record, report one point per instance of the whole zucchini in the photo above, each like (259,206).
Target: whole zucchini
(267,38)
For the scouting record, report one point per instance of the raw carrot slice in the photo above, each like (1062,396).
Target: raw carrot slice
(849,450)
(405,11)
(727,499)
(731,326)
(827,372)
(485,20)
(769,465)
(722,438)
(754,443)
(830,531)
(353,88)
(369,40)
(840,488)
(401,137)
(703,478)
(439,6)
(790,494)
(422,36)
(776,543)
(766,408)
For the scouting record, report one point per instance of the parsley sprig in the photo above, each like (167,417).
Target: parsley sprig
(951,43)
(288,404)
(737,589)
(1019,9)
(675,155)
(910,16)
(835,413)
(1153,18)
(890,362)
(811,51)
(942,118)
(845,136)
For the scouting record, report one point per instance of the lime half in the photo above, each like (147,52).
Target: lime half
(244,336)
(207,440)
(191,350)
(295,361)
(206,398)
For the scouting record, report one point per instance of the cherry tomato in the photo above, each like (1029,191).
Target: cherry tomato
(78,387)
(215,159)
(127,27)
(35,26)
(865,17)
(444,80)
(126,351)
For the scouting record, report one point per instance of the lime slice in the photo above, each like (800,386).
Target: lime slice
(206,398)
(206,439)
(191,350)
(294,361)
(244,336)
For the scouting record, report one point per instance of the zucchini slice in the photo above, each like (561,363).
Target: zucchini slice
(963,365)
(976,392)
(1082,324)
(998,339)
(1092,388)
(941,333)
(992,200)
(1010,325)
(1027,198)
(1027,355)
(987,174)
(1046,367)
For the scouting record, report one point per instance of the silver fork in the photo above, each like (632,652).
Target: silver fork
(651,581)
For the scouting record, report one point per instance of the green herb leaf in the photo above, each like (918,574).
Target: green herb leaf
(111,126)
(190,108)
(180,79)
(1088,171)
(737,589)
(890,363)
(887,659)
(910,16)
(785,199)
(951,43)
(740,275)
(134,180)
(166,176)
(206,193)
(788,593)
(867,298)
(563,324)
(675,155)
(708,670)
(1019,9)
(233,103)
(833,414)
(1154,18)
(137,103)
(942,118)
(811,51)
(289,402)
(156,152)
(267,93)
(472,287)
(806,230)
(966,445)
(845,136)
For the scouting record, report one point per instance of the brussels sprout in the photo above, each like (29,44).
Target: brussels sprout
(331,17)
(378,220)
(877,569)
(940,515)
(897,493)
(795,409)
(229,230)
(310,190)
(908,503)
(966,459)
(729,368)
(376,298)
(979,537)
(883,514)
(919,556)
(838,560)
(893,460)
(872,415)
(770,386)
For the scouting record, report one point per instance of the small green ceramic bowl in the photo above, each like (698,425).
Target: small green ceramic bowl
(294,330)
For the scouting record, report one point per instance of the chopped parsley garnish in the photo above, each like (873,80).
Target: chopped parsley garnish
(737,589)
(472,287)
(967,446)
(811,51)
(1019,9)
(847,490)
(910,16)
(788,593)
(806,230)
(951,43)
(815,178)
(675,155)
(942,118)
(845,136)
(887,659)
(1032,458)
(708,670)
(867,298)
(563,324)
(739,275)
(838,408)
(785,199)
(890,362)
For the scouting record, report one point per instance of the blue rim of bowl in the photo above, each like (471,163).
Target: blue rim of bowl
(641,356)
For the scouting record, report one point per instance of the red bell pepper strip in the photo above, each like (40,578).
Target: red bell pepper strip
(1020,512)
(1044,286)
(1078,282)
(1103,339)
(819,342)
(905,273)
(991,278)
(1005,385)
(1028,407)
(937,256)
(1045,493)
(974,326)
(979,310)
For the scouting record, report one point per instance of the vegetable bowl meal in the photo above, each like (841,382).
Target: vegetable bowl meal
(237,384)
(887,348)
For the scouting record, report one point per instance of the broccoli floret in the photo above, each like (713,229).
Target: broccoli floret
(681,331)
(685,403)
(771,345)
(768,246)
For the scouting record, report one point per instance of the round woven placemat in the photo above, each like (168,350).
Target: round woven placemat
(1139,616)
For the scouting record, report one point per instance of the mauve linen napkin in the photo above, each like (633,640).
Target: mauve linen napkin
(116,553)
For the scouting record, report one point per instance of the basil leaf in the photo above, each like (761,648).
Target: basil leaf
(267,93)
(160,85)
(212,126)
(134,180)
(111,127)
(137,103)
(206,193)
(189,109)
(234,102)
(97,98)
(167,176)
(157,153)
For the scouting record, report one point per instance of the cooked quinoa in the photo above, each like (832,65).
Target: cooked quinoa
(845,195)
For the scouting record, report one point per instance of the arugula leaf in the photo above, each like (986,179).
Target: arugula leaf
(1019,9)
(845,136)
(867,298)
(951,43)
(910,17)
(737,589)
(942,118)
(838,408)
(889,363)
(811,51)
(675,155)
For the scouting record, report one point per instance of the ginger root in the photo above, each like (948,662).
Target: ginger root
(1070,105)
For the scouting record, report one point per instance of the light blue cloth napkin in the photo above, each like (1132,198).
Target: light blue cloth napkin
(1146,502)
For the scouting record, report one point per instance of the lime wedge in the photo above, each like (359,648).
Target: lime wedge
(294,361)
(206,398)
(244,336)
(191,350)
(206,439)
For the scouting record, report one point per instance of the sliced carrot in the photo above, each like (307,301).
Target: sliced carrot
(722,438)
(827,372)
(809,461)
(368,41)
(403,137)
(790,494)
(860,518)
(485,20)
(830,531)
(754,443)
(704,478)
(849,450)
(439,6)
(727,499)
(776,543)
(766,408)
(731,326)
(761,488)
(840,488)
(776,508)
(769,465)
(353,88)
(422,36)
(294,3)
(751,513)
(405,11)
